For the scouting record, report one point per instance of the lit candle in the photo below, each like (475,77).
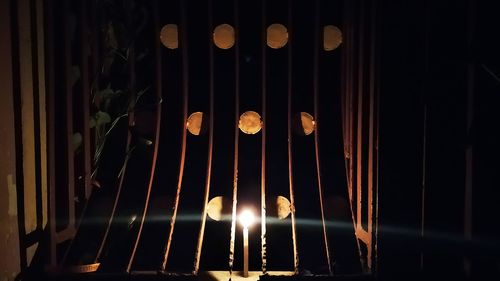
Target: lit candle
(246,219)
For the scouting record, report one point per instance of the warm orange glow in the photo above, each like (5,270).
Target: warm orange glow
(250,122)
(195,123)
(277,36)
(169,36)
(246,218)
(224,36)
(332,37)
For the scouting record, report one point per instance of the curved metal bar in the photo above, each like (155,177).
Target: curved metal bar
(128,150)
(236,139)
(157,133)
(316,132)
(290,156)
(210,143)
(185,90)
(263,145)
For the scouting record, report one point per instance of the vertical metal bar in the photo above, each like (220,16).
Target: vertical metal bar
(350,47)
(424,183)
(85,99)
(469,151)
(263,143)
(424,133)
(350,111)
(371,131)
(210,140)
(376,54)
(18,132)
(185,91)
(68,93)
(359,135)
(343,85)
(51,177)
(157,129)
(236,136)
(316,131)
(36,115)
(290,155)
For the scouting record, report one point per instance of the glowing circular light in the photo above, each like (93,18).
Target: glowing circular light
(304,124)
(332,37)
(195,124)
(283,207)
(219,207)
(169,36)
(246,218)
(277,36)
(224,36)
(250,122)
(278,207)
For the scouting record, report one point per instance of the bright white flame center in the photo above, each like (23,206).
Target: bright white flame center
(247,218)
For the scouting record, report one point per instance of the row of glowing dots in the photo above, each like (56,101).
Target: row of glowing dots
(277,36)
(250,123)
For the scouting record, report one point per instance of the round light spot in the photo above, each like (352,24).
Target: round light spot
(250,122)
(277,36)
(278,207)
(224,36)
(195,123)
(169,36)
(282,207)
(304,124)
(332,37)
(219,207)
